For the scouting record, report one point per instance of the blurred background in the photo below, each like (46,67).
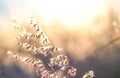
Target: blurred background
(87,30)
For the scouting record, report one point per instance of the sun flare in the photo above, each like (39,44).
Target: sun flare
(69,12)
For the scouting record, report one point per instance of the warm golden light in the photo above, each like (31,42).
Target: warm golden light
(69,12)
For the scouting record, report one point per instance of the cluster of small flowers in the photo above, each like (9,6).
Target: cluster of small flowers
(40,50)
(40,67)
(90,74)
(60,60)
(45,45)
(45,48)
(37,63)
(43,38)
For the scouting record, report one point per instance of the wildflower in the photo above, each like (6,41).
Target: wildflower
(45,48)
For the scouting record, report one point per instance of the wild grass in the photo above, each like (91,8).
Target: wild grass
(47,60)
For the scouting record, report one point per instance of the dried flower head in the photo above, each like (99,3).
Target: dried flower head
(38,43)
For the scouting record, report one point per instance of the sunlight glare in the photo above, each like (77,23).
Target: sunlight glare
(69,12)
